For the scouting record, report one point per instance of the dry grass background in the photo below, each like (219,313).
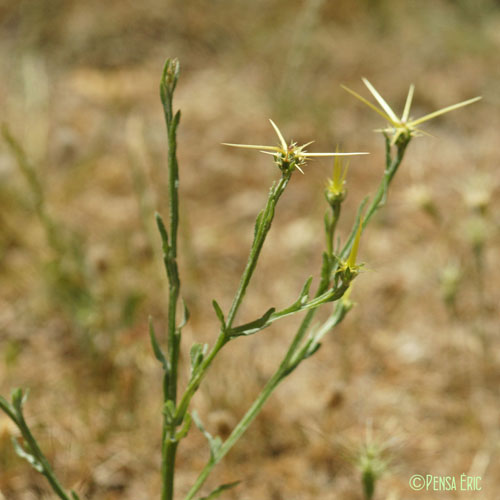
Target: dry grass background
(79,89)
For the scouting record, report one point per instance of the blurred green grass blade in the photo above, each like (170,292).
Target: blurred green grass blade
(156,347)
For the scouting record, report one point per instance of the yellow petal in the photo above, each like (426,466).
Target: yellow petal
(430,116)
(252,146)
(406,112)
(332,154)
(381,101)
(280,135)
(305,145)
(370,105)
(423,132)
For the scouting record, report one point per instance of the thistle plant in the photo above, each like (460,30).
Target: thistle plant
(338,271)
(404,128)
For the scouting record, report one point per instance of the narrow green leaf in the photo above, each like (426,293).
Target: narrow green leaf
(257,223)
(253,326)
(307,350)
(214,443)
(185,315)
(156,348)
(74,496)
(304,293)
(163,232)
(312,349)
(169,411)
(197,353)
(215,446)
(27,456)
(220,490)
(8,408)
(18,399)
(325,266)
(339,312)
(186,425)
(177,119)
(219,313)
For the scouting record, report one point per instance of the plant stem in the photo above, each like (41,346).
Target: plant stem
(262,228)
(238,431)
(391,168)
(332,225)
(168,463)
(197,378)
(37,453)
(169,442)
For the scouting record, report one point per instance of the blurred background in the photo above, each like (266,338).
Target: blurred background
(411,377)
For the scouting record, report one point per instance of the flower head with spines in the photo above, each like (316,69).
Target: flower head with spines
(288,157)
(402,129)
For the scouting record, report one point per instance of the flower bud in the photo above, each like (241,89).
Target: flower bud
(335,191)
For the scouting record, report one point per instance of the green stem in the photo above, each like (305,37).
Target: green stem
(391,168)
(238,431)
(35,449)
(332,225)
(195,381)
(34,454)
(169,442)
(322,287)
(40,457)
(168,463)
(263,225)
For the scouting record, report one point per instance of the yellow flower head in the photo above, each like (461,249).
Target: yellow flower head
(402,128)
(288,157)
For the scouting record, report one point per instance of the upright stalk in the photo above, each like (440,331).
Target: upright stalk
(391,167)
(262,226)
(261,229)
(237,432)
(169,441)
